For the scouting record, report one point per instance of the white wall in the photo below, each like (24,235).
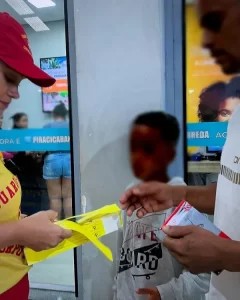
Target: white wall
(43,44)
(120,73)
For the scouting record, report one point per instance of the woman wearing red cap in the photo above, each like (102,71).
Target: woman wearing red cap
(37,231)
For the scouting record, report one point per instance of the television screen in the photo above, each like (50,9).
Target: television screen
(214,149)
(51,96)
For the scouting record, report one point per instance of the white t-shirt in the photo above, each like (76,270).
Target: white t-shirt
(142,261)
(226,286)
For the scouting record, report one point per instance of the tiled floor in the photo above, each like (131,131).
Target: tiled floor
(54,272)
(50,295)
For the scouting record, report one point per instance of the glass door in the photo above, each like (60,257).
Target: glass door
(119,76)
(35,137)
(208,93)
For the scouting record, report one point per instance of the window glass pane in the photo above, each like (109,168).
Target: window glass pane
(120,75)
(206,88)
(35,137)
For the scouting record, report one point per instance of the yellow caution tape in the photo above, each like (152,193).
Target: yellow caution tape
(86,228)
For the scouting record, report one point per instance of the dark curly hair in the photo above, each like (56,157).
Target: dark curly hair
(210,99)
(166,123)
(233,88)
(17,117)
(214,95)
(60,110)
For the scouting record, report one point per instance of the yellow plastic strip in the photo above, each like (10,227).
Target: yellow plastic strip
(93,238)
(89,228)
(104,211)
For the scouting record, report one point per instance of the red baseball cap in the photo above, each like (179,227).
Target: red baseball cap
(16,53)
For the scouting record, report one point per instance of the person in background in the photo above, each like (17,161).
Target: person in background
(20,121)
(57,168)
(217,104)
(144,264)
(38,231)
(231,100)
(27,166)
(210,100)
(219,100)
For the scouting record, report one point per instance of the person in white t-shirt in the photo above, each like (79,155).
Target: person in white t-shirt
(144,266)
(197,249)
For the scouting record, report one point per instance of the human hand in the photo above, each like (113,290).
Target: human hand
(149,197)
(152,292)
(199,250)
(39,233)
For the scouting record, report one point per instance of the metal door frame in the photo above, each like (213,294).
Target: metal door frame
(175,76)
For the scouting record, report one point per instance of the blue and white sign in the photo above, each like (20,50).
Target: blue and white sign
(206,134)
(58,139)
(45,139)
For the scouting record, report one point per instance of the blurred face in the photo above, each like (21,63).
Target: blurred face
(58,118)
(150,156)
(9,83)
(23,122)
(220,21)
(227,108)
